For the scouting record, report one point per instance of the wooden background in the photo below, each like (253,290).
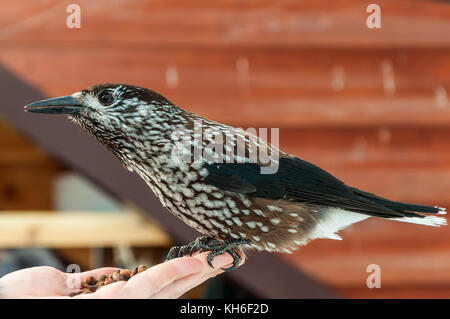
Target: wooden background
(369,106)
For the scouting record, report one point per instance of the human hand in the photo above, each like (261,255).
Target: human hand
(170,279)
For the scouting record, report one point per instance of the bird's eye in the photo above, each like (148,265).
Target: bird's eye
(106,98)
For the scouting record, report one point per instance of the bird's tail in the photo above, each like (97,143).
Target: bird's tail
(406,212)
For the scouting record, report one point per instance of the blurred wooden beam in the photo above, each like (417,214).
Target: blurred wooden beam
(293,88)
(200,24)
(78,229)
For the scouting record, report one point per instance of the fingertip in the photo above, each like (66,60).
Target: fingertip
(220,261)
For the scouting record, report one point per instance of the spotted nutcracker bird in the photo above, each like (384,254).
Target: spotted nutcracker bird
(224,195)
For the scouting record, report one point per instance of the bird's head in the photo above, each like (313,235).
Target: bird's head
(104,100)
(112,110)
(119,116)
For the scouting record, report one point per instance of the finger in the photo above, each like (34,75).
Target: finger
(128,290)
(149,282)
(208,274)
(173,288)
(183,285)
(224,260)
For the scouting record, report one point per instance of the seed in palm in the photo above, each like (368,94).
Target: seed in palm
(92,284)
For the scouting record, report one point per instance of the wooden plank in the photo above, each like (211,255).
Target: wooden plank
(398,268)
(408,292)
(270,72)
(285,89)
(409,256)
(203,23)
(345,148)
(78,229)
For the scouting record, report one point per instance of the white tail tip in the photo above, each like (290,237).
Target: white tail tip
(428,220)
(442,210)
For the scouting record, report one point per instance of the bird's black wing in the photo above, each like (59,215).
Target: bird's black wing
(302,181)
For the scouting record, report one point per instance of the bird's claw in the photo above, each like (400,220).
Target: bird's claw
(216,247)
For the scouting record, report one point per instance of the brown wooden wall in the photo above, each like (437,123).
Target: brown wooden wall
(26,173)
(370,106)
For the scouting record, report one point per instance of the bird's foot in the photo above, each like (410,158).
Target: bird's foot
(227,246)
(216,247)
(189,249)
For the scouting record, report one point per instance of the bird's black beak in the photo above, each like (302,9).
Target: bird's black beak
(58,105)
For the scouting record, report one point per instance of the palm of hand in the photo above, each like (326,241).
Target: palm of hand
(167,280)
